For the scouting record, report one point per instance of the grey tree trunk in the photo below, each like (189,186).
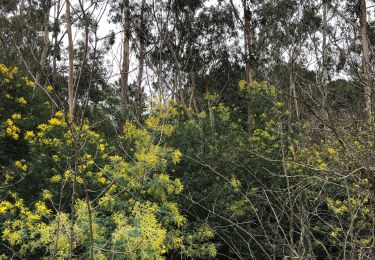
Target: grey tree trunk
(142,50)
(125,58)
(248,56)
(367,84)
(70,59)
(44,53)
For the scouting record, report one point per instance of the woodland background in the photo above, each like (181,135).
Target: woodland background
(195,129)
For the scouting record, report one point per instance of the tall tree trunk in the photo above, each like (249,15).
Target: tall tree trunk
(142,50)
(44,53)
(367,84)
(55,42)
(70,59)
(125,58)
(294,94)
(248,56)
(71,113)
(324,77)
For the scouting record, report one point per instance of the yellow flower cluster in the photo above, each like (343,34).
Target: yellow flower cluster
(4,205)
(8,73)
(47,195)
(55,121)
(43,127)
(49,88)
(12,130)
(29,135)
(176,156)
(22,101)
(21,166)
(29,83)
(16,116)
(59,114)
(242,84)
(101,147)
(42,209)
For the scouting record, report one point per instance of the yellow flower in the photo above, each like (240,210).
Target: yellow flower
(59,114)
(102,180)
(22,101)
(55,121)
(7,96)
(16,116)
(331,151)
(79,180)
(4,69)
(55,157)
(102,147)
(4,206)
(49,88)
(176,156)
(12,130)
(242,84)
(29,83)
(21,166)
(15,70)
(47,195)
(42,208)
(29,135)
(55,178)
(9,122)
(43,127)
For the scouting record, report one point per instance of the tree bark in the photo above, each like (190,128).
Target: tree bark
(363,32)
(248,56)
(70,59)
(324,77)
(125,58)
(367,84)
(138,93)
(44,53)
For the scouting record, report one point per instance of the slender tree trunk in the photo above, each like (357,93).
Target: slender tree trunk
(125,58)
(44,54)
(248,56)
(294,95)
(293,100)
(55,42)
(367,84)
(71,113)
(324,77)
(70,59)
(142,51)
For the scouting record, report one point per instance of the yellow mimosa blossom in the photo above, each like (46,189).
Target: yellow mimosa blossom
(49,88)
(29,135)
(242,84)
(47,195)
(12,130)
(43,127)
(59,114)
(42,208)
(55,121)
(22,101)
(55,178)
(9,122)
(102,180)
(16,116)
(21,166)
(4,206)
